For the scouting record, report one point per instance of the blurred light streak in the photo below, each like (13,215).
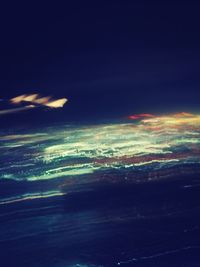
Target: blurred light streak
(36,99)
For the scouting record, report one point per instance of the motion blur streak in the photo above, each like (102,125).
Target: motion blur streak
(18,99)
(36,99)
(15,110)
(26,197)
(32,101)
(140,116)
(57,103)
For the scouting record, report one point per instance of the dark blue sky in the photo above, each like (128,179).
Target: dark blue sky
(107,57)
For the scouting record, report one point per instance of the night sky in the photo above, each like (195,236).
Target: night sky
(109,58)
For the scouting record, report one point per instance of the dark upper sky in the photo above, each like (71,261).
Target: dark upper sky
(106,56)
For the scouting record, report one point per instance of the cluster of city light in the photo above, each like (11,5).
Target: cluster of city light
(150,143)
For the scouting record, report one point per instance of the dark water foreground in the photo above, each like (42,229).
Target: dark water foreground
(149,224)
